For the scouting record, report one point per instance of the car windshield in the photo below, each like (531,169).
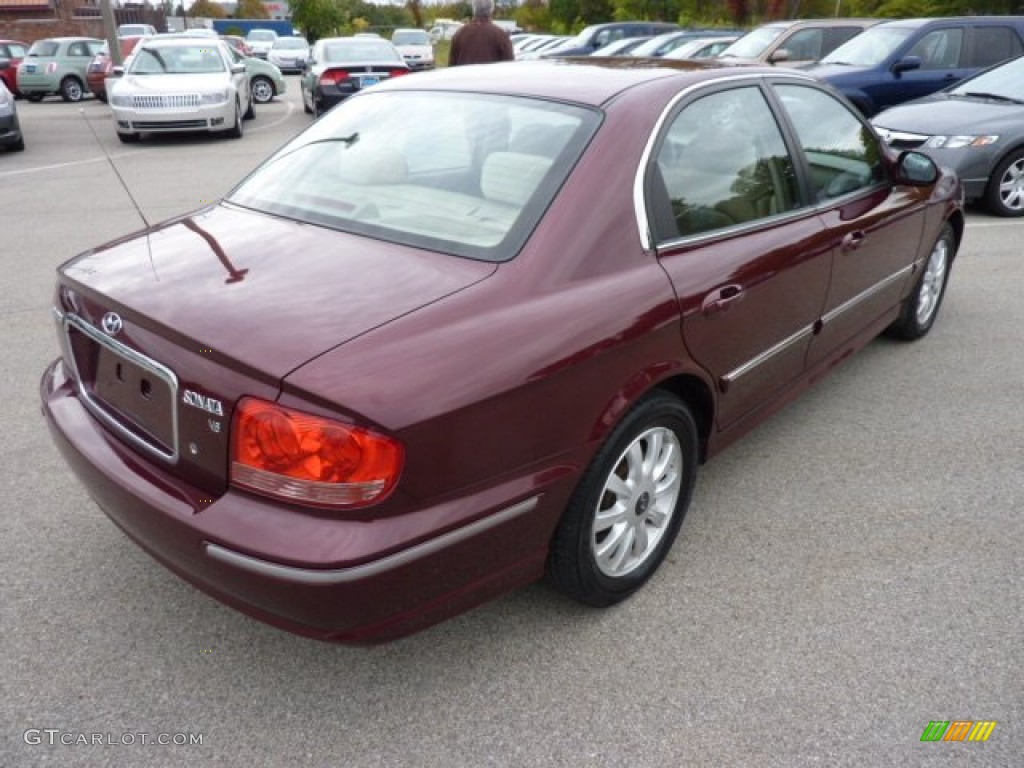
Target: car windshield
(132,30)
(44,48)
(753,44)
(364,49)
(660,45)
(870,48)
(290,44)
(410,37)
(464,174)
(1004,81)
(262,35)
(177,60)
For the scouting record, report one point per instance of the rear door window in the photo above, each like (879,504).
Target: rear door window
(990,45)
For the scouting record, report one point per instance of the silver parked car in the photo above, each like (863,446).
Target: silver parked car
(976,128)
(181,84)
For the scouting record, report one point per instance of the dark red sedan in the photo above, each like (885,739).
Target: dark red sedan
(481,324)
(12,52)
(102,66)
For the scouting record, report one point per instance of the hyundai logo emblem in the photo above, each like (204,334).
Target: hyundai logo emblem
(112,323)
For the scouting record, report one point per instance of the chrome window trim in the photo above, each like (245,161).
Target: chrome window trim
(639,200)
(68,320)
(367,570)
(769,353)
(866,294)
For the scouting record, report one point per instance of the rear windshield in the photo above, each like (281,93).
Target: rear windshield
(261,35)
(44,48)
(359,50)
(464,174)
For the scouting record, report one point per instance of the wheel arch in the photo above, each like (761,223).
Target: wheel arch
(697,394)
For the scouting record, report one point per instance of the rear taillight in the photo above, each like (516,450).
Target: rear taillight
(397,72)
(333,77)
(298,457)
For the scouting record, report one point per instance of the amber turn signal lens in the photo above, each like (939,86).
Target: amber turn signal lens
(307,459)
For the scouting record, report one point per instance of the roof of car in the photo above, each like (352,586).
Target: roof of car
(834,22)
(583,80)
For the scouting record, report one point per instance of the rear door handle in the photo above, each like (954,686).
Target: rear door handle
(721,299)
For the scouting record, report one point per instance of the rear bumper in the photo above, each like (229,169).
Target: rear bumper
(363,580)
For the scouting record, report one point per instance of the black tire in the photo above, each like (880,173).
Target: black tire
(102,96)
(581,562)
(1004,193)
(922,305)
(35,98)
(305,107)
(262,89)
(237,130)
(71,89)
(250,111)
(18,146)
(129,138)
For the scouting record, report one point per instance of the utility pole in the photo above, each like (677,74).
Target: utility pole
(110,32)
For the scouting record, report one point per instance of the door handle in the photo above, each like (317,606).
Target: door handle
(853,240)
(721,299)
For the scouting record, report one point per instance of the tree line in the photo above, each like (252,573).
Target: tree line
(321,18)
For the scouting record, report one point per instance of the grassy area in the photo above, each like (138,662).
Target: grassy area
(441,50)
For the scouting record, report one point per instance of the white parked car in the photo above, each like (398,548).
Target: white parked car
(180,84)
(415,46)
(289,53)
(261,41)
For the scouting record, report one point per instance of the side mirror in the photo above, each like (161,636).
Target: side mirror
(238,69)
(781,54)
(117,71)
(5,64)
(906,64)
(916,169)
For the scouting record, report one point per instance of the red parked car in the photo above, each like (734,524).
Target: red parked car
(481,324)
(102,66)
(13,51)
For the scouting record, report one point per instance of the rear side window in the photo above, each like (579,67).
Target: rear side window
(44,48)
(721,163)
(992,45)
(836,36)
(842,153)
(939,49)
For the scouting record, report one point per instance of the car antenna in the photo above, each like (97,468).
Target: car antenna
(124,186)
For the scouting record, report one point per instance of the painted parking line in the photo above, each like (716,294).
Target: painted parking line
(289,110)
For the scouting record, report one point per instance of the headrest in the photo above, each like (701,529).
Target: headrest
(512,177)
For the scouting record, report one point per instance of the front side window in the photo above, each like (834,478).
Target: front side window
(805,45)
(464,174)
(842,153)
(722,163)
(939,49)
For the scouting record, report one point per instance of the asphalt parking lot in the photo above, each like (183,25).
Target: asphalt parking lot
(849,572)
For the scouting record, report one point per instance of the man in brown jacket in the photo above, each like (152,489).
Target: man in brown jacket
(480,41)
